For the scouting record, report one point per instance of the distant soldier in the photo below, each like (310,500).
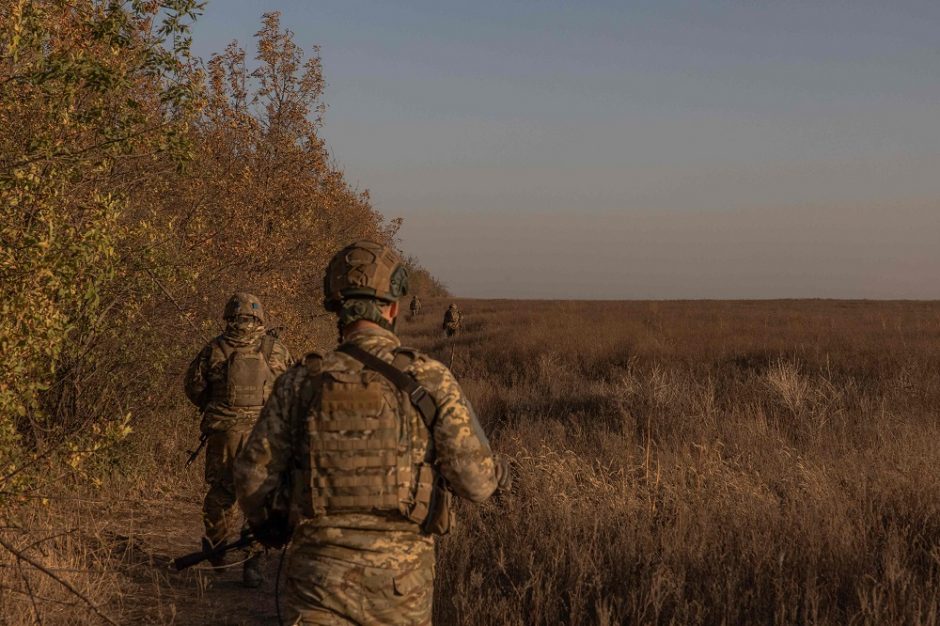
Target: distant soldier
(415,306)
(230,380)
(352,454)
(451,320)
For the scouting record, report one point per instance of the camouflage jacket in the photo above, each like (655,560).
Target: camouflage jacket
(463,457)
(209,369)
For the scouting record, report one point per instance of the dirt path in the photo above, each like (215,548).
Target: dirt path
(148,536)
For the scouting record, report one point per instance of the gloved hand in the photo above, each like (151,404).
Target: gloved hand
(503,474)
(274,533)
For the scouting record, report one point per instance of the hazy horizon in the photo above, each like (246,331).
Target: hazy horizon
(664,150)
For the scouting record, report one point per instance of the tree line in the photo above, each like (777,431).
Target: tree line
(139,187)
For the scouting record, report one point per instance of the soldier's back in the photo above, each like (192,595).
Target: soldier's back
(363,439)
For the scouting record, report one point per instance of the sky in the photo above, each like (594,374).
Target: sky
(630,150)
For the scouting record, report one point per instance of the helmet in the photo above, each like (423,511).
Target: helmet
(364,269)
(243,303)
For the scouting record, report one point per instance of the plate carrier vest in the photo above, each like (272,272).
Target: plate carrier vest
(248,377)
(355,448)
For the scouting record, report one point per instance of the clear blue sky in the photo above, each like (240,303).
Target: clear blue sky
(657,149)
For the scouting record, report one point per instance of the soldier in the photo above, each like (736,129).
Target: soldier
(415,306)
(229,380)
(451,324)
(352,454)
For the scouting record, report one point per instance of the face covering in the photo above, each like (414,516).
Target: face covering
(244,329)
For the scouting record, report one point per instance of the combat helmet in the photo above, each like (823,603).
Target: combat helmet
(360,277)
(243,303)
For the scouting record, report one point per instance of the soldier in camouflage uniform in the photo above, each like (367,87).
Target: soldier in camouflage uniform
(229,380)
(451,323)
(415,306)
(358,453)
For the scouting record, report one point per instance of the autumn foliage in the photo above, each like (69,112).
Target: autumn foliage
(139,188)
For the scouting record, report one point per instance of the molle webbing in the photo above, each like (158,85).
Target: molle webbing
(418,395)
(375,443)
(355,450)
(357,446)
(421,502)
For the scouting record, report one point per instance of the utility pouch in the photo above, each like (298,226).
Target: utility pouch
(418,510)
(441,515)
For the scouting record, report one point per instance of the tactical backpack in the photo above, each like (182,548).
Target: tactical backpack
(248,375)
(357,451)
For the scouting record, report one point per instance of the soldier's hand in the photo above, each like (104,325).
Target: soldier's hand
(503,474)
(274,533)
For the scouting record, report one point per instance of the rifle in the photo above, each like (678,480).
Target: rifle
(193,454)
(188,560)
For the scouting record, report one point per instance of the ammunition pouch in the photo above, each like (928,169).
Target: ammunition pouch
(441,514)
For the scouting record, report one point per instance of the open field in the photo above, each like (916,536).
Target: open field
(701,462)
(677,463)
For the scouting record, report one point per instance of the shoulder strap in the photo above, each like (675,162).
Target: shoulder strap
(267,346)
(311,385)
(403,381)
(223,346)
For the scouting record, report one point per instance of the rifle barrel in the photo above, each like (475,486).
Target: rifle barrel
(195,453)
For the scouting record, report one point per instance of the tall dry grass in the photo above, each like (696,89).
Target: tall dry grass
(676,463)
(700,463)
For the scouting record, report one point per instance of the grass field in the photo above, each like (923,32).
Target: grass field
(700,463)
(676,463)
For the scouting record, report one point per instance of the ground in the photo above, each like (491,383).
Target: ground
(153,533)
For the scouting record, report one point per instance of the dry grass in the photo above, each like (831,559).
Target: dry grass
(701,463)
(677,463)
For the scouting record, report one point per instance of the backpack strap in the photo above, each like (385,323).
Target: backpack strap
(312,383)
(419,396)
(224,347)
(309,389)
(267,346)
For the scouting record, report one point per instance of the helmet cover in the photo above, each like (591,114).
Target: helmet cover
(243,303)
(364,269)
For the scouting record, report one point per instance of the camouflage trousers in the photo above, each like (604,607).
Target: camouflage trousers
(323,591)
(219,513)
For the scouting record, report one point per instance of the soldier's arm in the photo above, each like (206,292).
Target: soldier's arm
(260,467)
(464,456)
(196,381)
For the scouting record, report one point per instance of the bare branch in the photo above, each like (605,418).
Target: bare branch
(42,568)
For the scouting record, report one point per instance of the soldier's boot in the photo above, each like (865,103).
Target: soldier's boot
(253,573)
(217,561)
